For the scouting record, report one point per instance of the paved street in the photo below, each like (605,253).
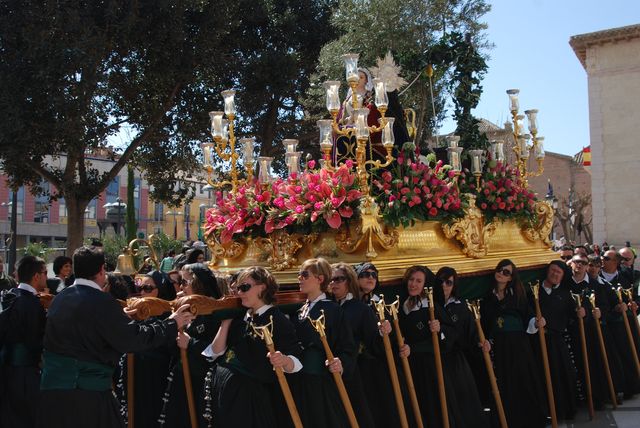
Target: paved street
(625,416)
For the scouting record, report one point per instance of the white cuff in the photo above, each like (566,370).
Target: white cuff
(208,352)
(297,365)
(532,329)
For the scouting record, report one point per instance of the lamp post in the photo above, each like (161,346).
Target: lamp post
(119,204)
(11,240)
(175,215)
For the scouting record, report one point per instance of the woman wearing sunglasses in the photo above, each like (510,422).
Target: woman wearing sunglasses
(467,347)
(417,328)
(151,366)
(319,402)
(368,282)
(505,315)
(196,279)
(245,390)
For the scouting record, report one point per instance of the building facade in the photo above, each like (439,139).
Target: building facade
(611,59)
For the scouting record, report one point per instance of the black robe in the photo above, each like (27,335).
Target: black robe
(22,324)
(88,325)
(465,380)
(521,387)
(316,392)
(176,411)
(558,309)
(415,328)
(246,392)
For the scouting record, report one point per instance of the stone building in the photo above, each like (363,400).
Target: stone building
(611,59)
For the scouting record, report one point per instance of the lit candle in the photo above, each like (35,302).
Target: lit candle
(362,131)
(216,123)
(351,67)
(229,102)
(476,164)
(388,138)
(381,100)
(333,98)
(290,145)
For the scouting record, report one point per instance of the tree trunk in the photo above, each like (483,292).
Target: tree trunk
(268,131)
(75,223)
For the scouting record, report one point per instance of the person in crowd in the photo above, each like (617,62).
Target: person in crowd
(467,347)
(167,262)
(151,366)
(627,267)
(505,315)
(584,285)
(22,324)
(318,399)
(610,271)
(62,269)
(6,281)
(86,333)
(175,279)
(558,310)
(368,282)
(566,253)
(582,250)
(417,328)
(117,286)
(196,279)
(195,255)
(344,289)
(245,389)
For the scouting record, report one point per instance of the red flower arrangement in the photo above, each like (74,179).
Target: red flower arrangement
(412,190)
(313,200)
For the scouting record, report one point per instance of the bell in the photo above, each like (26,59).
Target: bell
(125,265)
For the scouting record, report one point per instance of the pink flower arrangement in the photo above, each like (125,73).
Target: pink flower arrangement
(502,193)
(313,200)
(412,190)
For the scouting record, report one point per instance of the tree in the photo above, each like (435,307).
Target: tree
(409,29)
(75,76)
(131,225)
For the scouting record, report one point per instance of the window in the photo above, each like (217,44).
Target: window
(62,208)
(113,190)
(158,212)
(19,204)
(90,211)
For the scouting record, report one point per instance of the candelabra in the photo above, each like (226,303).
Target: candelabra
(522,147)
(356,125)
(224,145)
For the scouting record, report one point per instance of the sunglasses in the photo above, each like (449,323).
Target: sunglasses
(566,257)
(594,265)
(447,282)
(606,258)
(186,281)
(339,279)
(505,272)
(368,274)
(146,288)
(579,262)
(244,287)
(304,274)
(626,259)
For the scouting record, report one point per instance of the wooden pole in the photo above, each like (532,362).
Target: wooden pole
(632,343)
(475,310)
(186,373)
(393,308)
(585,359)
(131,360)
(545,359)
(629,294)
(438,360)
(393,373)
(605,359)
(266,333)
(319,326)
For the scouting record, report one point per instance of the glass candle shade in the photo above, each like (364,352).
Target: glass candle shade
(497,151)
(523,146)
(216,124)
(290,145)
(362,130)
(351,67)
(381,98)
(333,97)
(454,157)
(539,148)
(265,169)
(532,118)
(248,144)
(293,161)
(476,160)
(453,141)
(229,102)
(388,138)
(324,126)
(207,152)
(514,103)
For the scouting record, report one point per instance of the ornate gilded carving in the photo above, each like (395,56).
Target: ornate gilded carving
(230,250)
(471,231)
(368,230)
(283,247)
(541,229)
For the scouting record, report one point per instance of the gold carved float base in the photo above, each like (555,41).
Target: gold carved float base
(468,245)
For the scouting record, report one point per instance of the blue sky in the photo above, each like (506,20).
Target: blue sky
(532,53)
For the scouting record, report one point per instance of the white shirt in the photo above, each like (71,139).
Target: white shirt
(349,296)
(87,282)
(309,305)
(608,276)
(27,287)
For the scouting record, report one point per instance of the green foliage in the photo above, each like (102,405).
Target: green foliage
(112,246)
(36,249)
(162,243)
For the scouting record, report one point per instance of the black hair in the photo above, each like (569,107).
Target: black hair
(59,262)
(28,267)
(193,254)
(445,273)
(87,262)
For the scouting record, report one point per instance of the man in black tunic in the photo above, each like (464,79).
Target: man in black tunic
(21,330)
(87,332)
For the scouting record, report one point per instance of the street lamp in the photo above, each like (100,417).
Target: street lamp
(119,204)
(11,258)
(175,215)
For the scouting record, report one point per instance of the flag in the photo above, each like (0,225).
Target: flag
(586,156)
